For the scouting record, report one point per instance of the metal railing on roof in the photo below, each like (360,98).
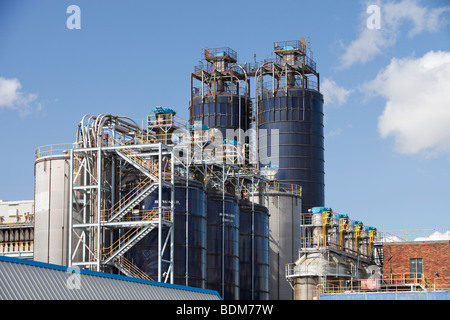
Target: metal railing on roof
(209,53)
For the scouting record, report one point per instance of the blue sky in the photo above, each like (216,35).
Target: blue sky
(386,90)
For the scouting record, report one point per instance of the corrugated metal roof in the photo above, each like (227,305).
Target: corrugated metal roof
(24,279)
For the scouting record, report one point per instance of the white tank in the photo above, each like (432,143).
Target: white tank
(51,200)
(284,239)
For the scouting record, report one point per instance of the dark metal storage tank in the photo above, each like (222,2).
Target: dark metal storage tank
(291,102)
(189,232)
(223,244)
(253,251)
(220,97)
(220,111)
(298,115)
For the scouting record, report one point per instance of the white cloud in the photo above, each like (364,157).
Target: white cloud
(12,97)
(435,236)
(371,43)
(417,111)
(333,93)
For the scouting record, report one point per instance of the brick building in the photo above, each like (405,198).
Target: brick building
(427,260)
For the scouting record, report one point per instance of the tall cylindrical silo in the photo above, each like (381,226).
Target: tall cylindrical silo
(296,116)
(189,232)
(223,244)
(254,251)
(221,99)
(221,111)
(284,238)
(51,196)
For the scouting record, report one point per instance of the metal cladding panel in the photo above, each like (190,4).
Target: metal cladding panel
(221,113)
(52,209)
(187,271)
(253,251)
(298,117)
(30,280)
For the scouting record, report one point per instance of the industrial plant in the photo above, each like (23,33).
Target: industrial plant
(230,200)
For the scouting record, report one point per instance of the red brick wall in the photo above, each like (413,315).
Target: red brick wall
(435,255)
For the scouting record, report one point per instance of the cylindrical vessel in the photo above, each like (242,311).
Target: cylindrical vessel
(317,222)
(51,200)
(189,233)
(297,117)
(223,244)
(305,288)
(221,111)
(284,238)
(253,251)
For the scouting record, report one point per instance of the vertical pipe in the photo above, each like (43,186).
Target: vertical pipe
(70,207)
(253,239)
(172,218)
(187,223)
(99,205)
(223,229)
(203,84)
(113,188)
(159,212)
(85,208)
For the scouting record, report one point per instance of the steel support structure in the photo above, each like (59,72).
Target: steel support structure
(101,229)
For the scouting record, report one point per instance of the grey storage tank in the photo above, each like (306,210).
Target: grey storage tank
(51,202)
(284,236)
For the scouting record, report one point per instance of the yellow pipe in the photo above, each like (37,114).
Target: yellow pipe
(342,224)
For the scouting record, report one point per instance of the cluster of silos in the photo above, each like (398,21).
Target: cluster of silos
(217,241)
(221,242)
(288,118)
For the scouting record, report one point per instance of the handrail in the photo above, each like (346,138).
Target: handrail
(389,282)
(20,221)
(275,186)
(149,215)
(108,213)
(11,246)
(133,269)
(54,150)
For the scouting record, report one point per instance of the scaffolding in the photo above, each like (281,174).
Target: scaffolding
(109,154)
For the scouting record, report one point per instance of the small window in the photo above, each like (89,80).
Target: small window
(416,267)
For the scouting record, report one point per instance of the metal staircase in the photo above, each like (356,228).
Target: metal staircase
(131,199)
(143,189)
(147,167)
(129,269)
(134,235)
(148,220)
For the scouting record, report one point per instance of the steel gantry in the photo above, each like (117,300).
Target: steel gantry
(106,218)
